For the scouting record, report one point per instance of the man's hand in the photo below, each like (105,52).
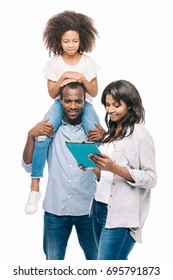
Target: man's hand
(96,134)
(42,128)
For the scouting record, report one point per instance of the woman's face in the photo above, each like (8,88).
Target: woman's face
(70,42)
(116,110)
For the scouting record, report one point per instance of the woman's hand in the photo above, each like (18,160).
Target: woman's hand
(106,164)
(103,162)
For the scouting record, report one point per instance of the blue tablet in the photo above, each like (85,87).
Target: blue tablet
(81,150)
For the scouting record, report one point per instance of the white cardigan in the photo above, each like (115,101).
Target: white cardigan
(128,203)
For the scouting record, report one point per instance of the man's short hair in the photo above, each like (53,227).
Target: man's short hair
(72,85)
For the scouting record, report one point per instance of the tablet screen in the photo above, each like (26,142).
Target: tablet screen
(81,150)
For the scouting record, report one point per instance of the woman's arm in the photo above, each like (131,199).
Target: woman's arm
(143,174)
(105,163)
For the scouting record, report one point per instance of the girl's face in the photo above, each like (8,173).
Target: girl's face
(70,42)
(116,110)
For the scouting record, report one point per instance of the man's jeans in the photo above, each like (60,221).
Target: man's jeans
(57,230)
(114,243)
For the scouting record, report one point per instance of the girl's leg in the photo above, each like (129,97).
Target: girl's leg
(42,144)
(89,117)
(40,155)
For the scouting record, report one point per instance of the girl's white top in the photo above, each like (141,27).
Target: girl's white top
(56,66)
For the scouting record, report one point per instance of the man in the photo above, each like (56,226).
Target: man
(69,189)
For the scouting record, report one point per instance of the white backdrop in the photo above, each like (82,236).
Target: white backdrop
(135,44)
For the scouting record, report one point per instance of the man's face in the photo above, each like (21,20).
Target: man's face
(73,103)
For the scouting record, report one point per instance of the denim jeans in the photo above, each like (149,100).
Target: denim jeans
(89,117)
(57,230)
(112,243)
(55,114)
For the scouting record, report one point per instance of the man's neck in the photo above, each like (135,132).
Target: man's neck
(72,122)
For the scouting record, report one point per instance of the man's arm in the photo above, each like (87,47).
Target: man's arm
(28,149)
(43,128)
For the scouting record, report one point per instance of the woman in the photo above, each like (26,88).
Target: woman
(126,173)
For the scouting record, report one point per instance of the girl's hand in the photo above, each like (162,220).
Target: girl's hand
(103,162)
(79,77)
(67,81)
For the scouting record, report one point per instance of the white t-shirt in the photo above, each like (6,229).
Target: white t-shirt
(104,186)
(56,66)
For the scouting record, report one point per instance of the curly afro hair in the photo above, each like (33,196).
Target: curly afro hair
(58,24)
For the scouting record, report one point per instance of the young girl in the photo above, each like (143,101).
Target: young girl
(126,173)
(67,35)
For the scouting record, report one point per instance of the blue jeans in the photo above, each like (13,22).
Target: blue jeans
(57,230)
(55,114)
(112,243)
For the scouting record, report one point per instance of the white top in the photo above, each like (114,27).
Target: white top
(56,66)
(128,203)
(104,186)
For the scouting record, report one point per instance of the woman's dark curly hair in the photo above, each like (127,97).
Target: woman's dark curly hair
(65,21)
(123,90)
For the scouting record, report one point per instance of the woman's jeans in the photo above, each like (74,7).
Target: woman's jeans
(112,243)
(55,115)
(57,230)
